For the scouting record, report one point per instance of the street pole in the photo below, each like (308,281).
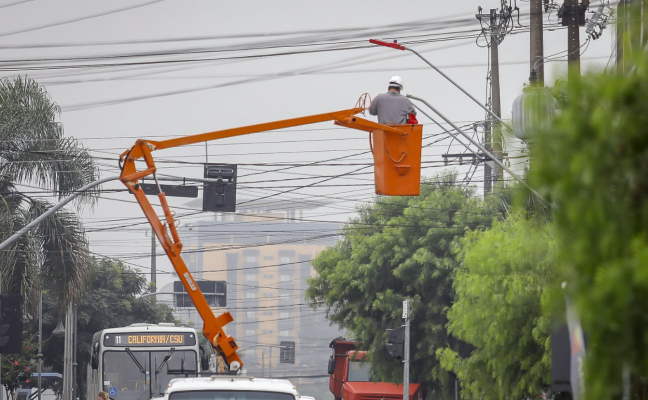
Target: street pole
(74,356)
(537,43)
(573,38)
(488,171)
(406,361)
(495,96)
(153,265)
(263,364)
(40,342)
(67,353)
(1,391)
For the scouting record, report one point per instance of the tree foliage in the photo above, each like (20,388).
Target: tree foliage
(17,369)
(397,248)
(34,151)
(594,162)
(110,301)
(505,273)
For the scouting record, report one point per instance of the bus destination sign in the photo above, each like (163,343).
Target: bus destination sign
(149,339)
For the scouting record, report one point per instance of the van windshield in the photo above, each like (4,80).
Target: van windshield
(229,395)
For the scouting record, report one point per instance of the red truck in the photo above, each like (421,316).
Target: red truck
(348,369)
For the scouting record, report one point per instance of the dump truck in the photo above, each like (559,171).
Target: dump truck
(350,378)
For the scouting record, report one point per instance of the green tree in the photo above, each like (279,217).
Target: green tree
(34,151)
(112,300)
(397,248)
(594,163)
(505,273)
(17,369)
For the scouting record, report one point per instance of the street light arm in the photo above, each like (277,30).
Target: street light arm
(52,210)
(401,47)
(485,151)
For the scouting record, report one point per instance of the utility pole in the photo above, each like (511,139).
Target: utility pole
(1,389)
(571,13)
(39,356)
(406,358)
(153,265)
(492,128)
(537,44)
(496,103)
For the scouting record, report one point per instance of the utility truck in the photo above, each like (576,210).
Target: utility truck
(350,377)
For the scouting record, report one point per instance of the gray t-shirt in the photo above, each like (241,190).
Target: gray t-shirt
(391,108)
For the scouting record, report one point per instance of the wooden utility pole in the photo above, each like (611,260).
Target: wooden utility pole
(495,94)
(537,44)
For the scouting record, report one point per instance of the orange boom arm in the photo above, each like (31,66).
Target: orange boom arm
(166,231)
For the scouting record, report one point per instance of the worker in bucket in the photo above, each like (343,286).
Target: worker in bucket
(392,108)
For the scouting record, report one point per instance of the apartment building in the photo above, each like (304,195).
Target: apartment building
(264,253)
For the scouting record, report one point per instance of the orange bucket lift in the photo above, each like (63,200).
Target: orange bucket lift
(397,167)
(397,160)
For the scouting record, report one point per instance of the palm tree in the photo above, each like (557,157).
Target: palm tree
(33,151)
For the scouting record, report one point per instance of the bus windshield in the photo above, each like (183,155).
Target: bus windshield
(359,371)
(230,395)
(132,374)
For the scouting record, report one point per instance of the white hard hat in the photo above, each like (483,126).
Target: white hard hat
(396,81)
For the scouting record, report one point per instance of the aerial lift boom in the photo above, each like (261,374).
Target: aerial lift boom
(167,233)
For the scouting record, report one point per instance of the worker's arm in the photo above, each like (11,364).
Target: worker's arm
(411,107)
(373,108)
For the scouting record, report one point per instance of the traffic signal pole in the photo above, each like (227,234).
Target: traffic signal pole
(406,358)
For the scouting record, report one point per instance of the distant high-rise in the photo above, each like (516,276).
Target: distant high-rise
(264,252)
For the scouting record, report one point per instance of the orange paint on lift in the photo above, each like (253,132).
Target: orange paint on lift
(397,154)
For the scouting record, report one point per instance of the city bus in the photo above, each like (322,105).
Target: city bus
(137,362)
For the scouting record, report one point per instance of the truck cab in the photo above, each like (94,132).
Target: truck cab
(350,377)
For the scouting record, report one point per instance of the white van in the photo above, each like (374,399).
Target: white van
(231,387)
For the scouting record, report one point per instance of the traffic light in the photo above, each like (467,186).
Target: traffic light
(396,345)
(220,196)
(11,324)
(287,353)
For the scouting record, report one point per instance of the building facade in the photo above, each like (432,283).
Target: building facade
(264,253)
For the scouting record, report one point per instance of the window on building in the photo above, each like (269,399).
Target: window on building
(250,332)
(251,314)
(267,313)
(268,276)
(284,333)
(284,315)
(284,260)
(284,278)
(284,296)
(250,295)
(267,294)
(250,277)
(268,257)
(251,259)
(266,331)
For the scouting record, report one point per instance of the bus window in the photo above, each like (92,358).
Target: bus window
(120,371)
(180,359)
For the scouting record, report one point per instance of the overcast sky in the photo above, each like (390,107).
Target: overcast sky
(123,70)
